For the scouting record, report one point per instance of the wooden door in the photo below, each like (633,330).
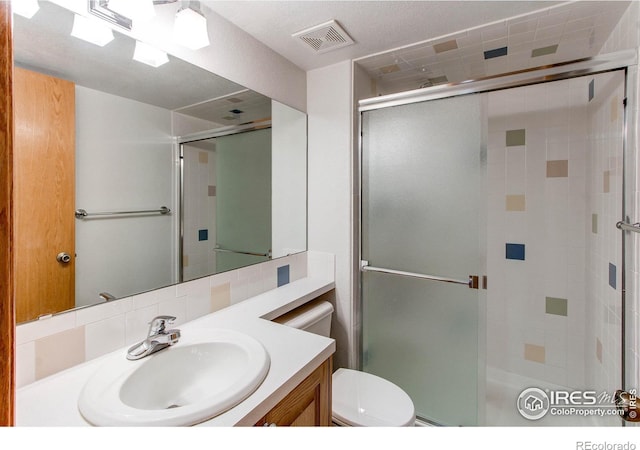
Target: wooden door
(44,192)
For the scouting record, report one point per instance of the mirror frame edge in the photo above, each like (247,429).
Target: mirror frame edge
(7,303)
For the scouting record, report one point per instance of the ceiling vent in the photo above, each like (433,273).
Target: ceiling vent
(324,37)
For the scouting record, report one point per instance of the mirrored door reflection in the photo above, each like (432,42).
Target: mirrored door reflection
(226,203)
(128,165)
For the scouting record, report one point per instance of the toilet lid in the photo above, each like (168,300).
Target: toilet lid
(366,400)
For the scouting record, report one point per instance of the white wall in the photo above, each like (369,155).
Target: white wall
(124,159)
(329,97)
(184,125)
(289,179)
(333,198)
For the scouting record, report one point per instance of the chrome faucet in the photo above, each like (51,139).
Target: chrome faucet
(158,338)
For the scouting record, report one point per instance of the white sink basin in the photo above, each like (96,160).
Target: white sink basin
(206,373)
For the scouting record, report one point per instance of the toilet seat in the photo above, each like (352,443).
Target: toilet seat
(366,400)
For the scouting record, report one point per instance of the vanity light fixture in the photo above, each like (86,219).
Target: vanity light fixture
(25,8)
(149,55)
(101,9)
(190,28)
(136,10)
(91,31)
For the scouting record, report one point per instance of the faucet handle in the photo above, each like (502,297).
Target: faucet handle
(157,324)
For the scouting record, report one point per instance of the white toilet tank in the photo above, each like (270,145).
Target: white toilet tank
(314,317)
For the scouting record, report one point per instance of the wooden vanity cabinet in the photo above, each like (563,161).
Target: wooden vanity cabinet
(307,405)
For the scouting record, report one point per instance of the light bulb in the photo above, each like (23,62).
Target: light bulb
(147,54)
(91,31)
(190,29)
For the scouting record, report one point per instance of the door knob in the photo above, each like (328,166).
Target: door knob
(63,258)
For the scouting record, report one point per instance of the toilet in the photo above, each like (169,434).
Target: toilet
(359,399)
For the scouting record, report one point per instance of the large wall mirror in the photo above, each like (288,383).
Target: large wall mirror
(131,177)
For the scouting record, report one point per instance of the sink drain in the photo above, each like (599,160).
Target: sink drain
(172,406)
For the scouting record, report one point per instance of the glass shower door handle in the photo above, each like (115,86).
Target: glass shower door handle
(472,282)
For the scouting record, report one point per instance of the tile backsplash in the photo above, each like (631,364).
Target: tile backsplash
(47,346)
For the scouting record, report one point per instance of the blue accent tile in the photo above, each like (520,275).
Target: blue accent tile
(592,89)
(203,235)
(283,275)
(515,251)
(496,52)
(612,275)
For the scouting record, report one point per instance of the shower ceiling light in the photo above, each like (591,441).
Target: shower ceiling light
(136,10)
(91,31)
(25,8)
(147,54)
(190,29)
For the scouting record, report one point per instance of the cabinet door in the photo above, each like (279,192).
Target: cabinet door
(308,405)
(44,192)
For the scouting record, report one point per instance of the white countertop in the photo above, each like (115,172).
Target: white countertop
(294,354)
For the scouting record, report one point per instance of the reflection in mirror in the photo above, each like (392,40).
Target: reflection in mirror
(229,224)
(244,196)
(99,131)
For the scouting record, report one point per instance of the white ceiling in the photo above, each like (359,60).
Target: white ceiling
(375,26)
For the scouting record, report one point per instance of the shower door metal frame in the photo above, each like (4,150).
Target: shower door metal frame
(624,60)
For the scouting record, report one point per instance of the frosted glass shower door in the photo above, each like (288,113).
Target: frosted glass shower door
(243,202)
(423,212)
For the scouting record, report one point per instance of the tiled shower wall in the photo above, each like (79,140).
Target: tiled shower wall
(540,216)
(200,211)
(48,346)
(604,240)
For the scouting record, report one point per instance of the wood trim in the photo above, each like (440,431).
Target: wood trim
(7,315)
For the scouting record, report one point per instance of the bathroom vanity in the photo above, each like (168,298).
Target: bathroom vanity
(307,405)
(296,390)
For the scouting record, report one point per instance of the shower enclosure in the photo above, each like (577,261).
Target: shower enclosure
(490,258)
